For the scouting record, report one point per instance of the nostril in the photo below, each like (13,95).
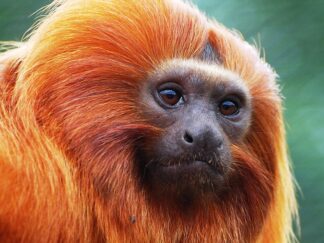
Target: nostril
(220,145)
(188,138)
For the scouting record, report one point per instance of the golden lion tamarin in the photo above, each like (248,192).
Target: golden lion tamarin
(140,121)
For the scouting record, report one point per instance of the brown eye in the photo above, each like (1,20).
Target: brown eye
(228,108)
(170,97)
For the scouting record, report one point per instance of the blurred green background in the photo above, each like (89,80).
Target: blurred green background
(292,34)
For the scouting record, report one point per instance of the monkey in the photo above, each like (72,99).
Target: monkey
(141,121)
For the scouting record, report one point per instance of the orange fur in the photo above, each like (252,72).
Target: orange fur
(70,117)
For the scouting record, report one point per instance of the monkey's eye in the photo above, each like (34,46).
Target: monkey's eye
(171,97)
(228,108)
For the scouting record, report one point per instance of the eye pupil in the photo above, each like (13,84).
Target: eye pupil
(170,96)
(228,108)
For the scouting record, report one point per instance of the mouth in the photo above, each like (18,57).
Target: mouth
(196,165)
(189,164)
(197,178)
(196,174)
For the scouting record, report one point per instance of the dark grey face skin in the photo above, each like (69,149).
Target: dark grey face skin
(202,110)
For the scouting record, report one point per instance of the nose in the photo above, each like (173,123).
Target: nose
(202,138)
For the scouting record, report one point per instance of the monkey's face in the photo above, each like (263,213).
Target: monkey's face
(202,110)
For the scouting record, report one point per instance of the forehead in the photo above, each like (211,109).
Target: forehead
(197,73)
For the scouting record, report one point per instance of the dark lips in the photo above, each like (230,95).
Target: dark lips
(181,177)
(194,166)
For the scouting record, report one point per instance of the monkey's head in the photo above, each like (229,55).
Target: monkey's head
(154,103)
(155,87)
